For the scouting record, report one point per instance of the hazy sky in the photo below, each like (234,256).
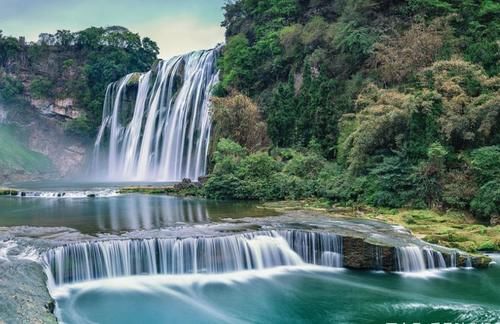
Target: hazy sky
(178,26)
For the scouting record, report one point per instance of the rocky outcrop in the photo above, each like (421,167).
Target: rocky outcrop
(57,107)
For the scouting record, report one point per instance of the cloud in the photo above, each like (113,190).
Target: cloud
(180,35)
(177,26)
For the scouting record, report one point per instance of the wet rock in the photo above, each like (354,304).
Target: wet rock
(481,261)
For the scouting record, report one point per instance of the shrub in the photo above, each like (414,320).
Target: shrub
(486,163)
(486,203)
(10,88)
(41,87)
(389,183)
(459,188)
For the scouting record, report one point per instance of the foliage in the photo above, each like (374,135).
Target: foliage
(238,118)
(261,176)
(78,65)
(485,163)
(400,98)
(10,88)
(459,188)
(380,124)
(399,56)
(487,202)
(470,100)
(428,176)
(41,87)
(9,48)
(390,183)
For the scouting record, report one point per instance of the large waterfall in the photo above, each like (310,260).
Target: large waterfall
(258,250)
(156,126)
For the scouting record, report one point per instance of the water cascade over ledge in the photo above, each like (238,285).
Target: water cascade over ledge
(417,259)
(250,251)
(156,126)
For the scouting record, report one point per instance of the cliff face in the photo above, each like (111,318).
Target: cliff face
(52,92)
(35,145)
(37,118)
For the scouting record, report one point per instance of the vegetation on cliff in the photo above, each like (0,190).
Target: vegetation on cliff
(386,103)
(72,65)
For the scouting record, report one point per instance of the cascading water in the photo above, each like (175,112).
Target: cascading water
(417,259)
(166,135)
(259,250)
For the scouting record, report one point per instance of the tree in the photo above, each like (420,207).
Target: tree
(238,118)
(399,56)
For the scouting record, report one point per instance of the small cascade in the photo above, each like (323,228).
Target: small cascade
(251,251)
(379,257)
(68,194)
(410,259)
(468,262)
(417,259)
(453,260)
(156,126)
(316,248)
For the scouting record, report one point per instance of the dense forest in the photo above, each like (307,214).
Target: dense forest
(378,102)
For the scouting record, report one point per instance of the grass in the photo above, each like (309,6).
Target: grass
(454,229)
(15,155)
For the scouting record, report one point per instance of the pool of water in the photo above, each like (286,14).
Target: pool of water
(287,295)
(292,294)
(120,213)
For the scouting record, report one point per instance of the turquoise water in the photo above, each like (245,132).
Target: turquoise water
(287,295)
(294,294)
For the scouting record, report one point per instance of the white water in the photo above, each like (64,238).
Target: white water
(166,136)
(68,194)
(251,251)
(417,259)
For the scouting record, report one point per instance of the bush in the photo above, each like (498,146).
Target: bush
(486,163)
(486,203)
(41,87)
(390,183)
(459,188)
(10,88)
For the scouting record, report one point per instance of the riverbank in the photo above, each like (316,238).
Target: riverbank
(453,229)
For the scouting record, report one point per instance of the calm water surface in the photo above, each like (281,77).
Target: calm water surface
(113,213)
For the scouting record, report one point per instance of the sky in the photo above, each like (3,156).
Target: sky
(178,26)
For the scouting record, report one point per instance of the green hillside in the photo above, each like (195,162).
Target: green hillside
(15,155)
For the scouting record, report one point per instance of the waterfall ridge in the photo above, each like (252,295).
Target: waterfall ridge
(156,126)
(258,250)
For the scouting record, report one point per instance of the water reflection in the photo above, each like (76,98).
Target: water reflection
(121,213)
(145,212)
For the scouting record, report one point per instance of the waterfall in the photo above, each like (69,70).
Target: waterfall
(416,259)
(468,262)
(156,126)
(105,259)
